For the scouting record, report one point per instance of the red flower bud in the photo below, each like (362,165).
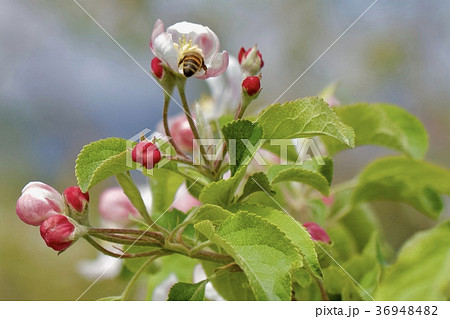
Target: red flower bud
(251,85)
(38,202)
(58,232)
(317,233)
(76,199)
(157,68)
(147,154)
(250,60)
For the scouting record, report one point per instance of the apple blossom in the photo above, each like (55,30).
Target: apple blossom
(250,60)
(147,154)
(115,206)
(185,38)
(38,202)
(58,232)
(317,233)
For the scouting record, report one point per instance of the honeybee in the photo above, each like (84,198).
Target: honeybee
(192,62)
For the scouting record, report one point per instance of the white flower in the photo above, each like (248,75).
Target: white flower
(172,45)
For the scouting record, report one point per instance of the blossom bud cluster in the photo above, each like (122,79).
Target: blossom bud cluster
(42,205)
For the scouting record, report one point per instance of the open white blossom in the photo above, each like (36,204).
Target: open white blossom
(183,38)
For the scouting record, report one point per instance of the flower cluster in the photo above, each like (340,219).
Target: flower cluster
(56,214)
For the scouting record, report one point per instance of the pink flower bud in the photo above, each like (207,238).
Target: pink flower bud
(181,133)
(317,233)
(251,60)
(147,154)
(251,85)
(58,232)
(76,199)
(184,201)
(38,202)
(157,68)
(115,206)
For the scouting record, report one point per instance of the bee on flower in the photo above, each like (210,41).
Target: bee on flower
(189,49)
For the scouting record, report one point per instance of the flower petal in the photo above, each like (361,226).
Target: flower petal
(158,28)
(217,67)
(209,43)
(164,50)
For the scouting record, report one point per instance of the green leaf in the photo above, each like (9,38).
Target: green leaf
(422,269)
(411,181)
(294,231)
(258,182)
(384,125)
(100,160)
(222,192)
(232,286)
(164,184)
(183,291)
(302,277)
(305,117)
(309,173)
(134,195)
(260,249)
(243,140)
(213,213)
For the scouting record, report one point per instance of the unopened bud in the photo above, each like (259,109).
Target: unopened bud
(58,232)
(317,232)
(38,202)
(147,154)
(157,68)
(77,203)
(251,85)
(251,60)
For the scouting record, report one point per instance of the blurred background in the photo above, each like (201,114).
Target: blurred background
(64,83)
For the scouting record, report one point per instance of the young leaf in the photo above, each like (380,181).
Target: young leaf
(100,160)
(294,231)
(258,182)
(221,193)
(421,271)
(411,181)
(134,195)
(310,173)
(304,117)
(260,249)
(385,125)
(183,291)
(243,140)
